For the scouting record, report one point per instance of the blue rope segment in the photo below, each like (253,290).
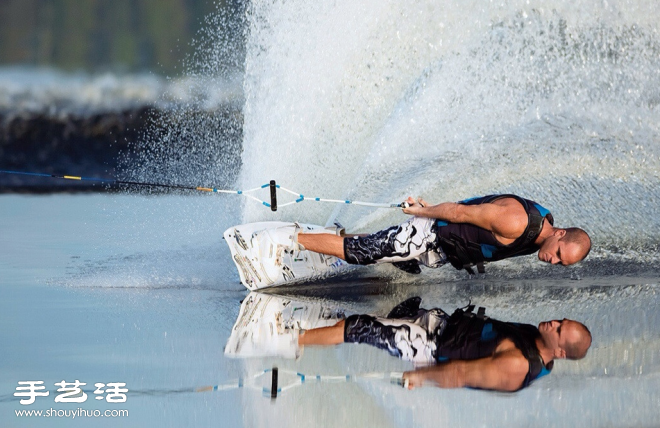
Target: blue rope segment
(37,174)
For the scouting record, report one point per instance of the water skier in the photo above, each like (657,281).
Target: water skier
(461,350)
(465,349)
(466,234)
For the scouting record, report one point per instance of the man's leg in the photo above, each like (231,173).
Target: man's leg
(324,243)
(332,335)
(408,241)
(365,251)
(402,338)
(410,340)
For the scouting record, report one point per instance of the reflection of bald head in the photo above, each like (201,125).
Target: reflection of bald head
(577,348)
(580,238)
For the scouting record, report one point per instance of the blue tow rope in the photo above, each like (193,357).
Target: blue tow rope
(272,185)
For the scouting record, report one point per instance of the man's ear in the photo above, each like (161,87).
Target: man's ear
(560,233)
(560,353)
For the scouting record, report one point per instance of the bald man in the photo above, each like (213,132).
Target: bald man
(461,350)
(466,234)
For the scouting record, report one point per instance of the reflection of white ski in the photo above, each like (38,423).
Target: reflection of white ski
(268,325)
(261,252)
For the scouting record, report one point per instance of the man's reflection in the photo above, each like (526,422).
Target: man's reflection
(461,350)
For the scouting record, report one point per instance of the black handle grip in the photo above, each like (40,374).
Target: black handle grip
(273,385)
(273,196)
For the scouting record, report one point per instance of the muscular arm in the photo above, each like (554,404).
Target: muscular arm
(506,218)
(505,371)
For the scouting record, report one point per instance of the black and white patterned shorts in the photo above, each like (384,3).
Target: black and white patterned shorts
(412,339)
(413,240)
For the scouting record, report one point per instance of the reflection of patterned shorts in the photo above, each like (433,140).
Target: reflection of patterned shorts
(414,239)
(412,339)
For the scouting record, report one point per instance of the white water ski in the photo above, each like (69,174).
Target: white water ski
(263,258)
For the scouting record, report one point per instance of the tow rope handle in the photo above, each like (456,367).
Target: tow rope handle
(273,195)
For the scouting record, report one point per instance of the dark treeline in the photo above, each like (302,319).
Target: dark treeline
(95,145)
(93,35)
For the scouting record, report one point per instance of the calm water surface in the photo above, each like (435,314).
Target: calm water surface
(108,288)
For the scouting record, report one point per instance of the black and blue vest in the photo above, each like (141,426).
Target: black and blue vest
(469,336)
(467,245)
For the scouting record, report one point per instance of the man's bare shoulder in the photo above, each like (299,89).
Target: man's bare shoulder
(511,362)
(505,370)
(505,217)
(507,345)
(509,203)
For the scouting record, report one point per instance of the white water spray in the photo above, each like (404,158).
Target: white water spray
(380,100)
